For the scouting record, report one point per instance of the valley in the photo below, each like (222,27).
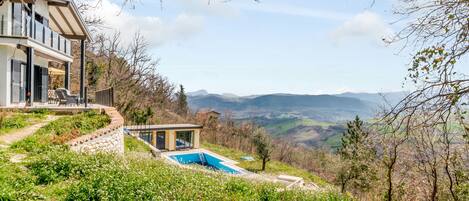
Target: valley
(309,120)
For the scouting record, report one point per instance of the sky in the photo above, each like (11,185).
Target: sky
(276,46)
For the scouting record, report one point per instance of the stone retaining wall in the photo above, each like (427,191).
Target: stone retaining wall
(109,139)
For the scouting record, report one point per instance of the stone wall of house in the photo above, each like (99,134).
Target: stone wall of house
(109,139)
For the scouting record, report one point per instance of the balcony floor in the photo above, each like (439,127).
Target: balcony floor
(55,107)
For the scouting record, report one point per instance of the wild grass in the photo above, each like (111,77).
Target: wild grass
(62,130)
(63,175)
(52,172)
(10,122)
(134,145)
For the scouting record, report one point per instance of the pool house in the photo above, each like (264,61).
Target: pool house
(168,137)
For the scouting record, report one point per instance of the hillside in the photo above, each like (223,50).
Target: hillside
(307,132)
(318,107)
(309,120)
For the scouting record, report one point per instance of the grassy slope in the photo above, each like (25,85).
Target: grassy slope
(12,122)
(62,130)
(51,172)
(134,145)
(283,127)
(273,167)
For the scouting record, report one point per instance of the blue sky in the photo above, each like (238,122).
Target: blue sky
(294,46)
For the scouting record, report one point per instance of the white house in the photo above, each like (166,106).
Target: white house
(33,35)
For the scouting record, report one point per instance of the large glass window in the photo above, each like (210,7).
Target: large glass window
(145,136)
(184,139)
(17,19)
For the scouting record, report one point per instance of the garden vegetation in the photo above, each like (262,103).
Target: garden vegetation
(52,172)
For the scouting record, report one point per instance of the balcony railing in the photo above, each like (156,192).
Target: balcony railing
(21,25)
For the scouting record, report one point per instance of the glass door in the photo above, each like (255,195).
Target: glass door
(161,140)
(18,81)
(41,82)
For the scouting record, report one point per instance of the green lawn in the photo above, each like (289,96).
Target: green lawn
(273,167)
(10,122)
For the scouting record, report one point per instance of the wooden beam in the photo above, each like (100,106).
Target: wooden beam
(23,1)
(74,37)
(61,4)
(56,23)
(153,138)
(66,21)
(83,29)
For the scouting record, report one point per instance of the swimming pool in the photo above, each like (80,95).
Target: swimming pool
(206,160)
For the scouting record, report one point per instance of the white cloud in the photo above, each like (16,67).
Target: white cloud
(154,29)
(366,25)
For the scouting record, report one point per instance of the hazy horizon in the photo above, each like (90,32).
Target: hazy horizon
(260,94)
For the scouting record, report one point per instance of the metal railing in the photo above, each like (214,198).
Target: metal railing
(21,27)
(105,97)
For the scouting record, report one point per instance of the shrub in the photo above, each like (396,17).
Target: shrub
(15,183)
(61,164)
(41,111)
(136,179)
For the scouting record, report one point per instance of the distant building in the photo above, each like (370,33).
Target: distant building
(207,115)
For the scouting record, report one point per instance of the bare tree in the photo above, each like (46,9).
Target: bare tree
(438,32)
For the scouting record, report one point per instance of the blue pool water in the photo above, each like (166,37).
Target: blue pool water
(204,159)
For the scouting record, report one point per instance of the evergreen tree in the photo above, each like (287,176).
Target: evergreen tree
(181,102)
(357,156)
(142,116)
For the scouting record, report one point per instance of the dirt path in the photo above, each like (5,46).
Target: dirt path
(8,139)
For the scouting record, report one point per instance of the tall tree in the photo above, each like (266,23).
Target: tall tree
(357,156)
(181,102)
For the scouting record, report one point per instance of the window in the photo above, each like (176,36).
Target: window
(146,136)
(17,19)
(184,139)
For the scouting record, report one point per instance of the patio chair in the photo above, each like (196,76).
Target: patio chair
(65,98)
(52,96)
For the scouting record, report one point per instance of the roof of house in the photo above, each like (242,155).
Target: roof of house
(163,127)
(66,19)
(206,111)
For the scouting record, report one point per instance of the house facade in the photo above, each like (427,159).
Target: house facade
(35,35)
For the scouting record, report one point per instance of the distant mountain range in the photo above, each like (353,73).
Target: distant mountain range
(308,120)
(326,108)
